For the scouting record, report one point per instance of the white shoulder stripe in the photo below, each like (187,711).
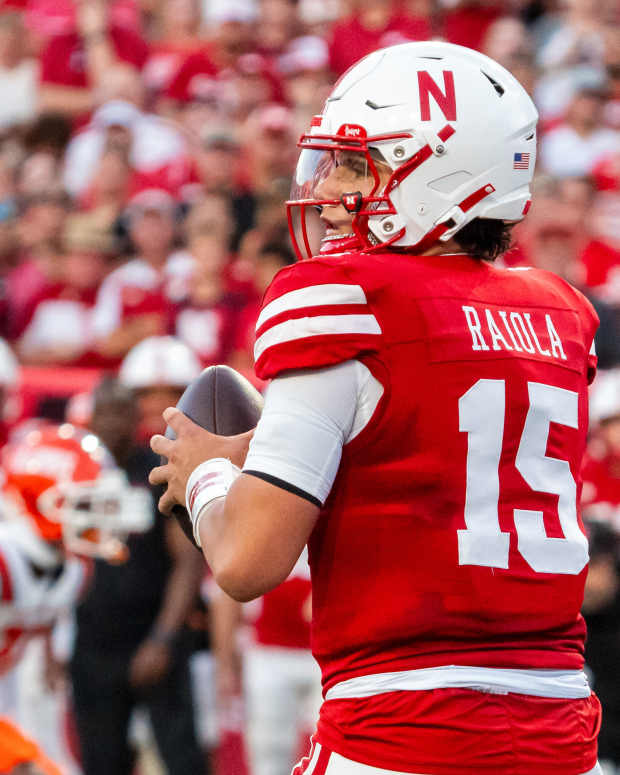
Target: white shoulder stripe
(593,348)
(300,328)
(313,296)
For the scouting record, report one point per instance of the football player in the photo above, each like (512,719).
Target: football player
(423,433)
(62,501)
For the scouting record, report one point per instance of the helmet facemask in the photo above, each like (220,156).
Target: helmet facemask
(351,168)
(97,516)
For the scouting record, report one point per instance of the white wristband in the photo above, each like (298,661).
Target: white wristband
(208,481)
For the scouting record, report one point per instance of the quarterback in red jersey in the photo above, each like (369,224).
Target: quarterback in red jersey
(422,433)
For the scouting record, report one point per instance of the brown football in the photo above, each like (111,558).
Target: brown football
(222,401)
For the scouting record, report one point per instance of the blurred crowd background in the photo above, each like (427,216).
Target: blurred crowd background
(146,150)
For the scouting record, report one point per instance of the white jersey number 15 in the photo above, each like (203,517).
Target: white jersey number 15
(481,414)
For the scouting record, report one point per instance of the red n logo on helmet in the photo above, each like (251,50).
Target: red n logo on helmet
(446,100)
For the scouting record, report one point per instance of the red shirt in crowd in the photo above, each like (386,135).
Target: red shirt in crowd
(210,329)
(350,40)
(48,18)
(600,260)
(166,57)
(193,78)
(63,59)
(468,24)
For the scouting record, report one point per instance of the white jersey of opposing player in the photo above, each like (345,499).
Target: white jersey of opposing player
(35,589)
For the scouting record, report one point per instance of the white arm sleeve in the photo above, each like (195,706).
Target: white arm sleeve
(309,416)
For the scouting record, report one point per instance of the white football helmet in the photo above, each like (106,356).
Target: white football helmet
(158,361)
(456,129)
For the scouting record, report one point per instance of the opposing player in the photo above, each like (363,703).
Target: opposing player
(423,432)
(62,501)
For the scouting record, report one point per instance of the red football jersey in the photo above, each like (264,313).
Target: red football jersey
(452,534)
(282,617)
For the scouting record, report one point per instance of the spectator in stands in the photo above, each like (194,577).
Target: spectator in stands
(133,301)
(317,16)
(130,647)
(229,29)
(252,83)
(268,259)
(267,135)
(276,26)
(606,172)
(575,146)
(505,39)
(58,321)
(601,256)
(177,34)
(48,134)
(554,244)
(466,22)
(120,122)
(305,69)
(8,233)
(601,468)
(77,63)
(18,74)
(219,165)
(103,204)
(48,18)
(39,229)
(372,24)
(578,36)
(195,94)
(207,317)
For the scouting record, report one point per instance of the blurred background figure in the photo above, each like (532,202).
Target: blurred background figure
(157,371)
(264,649)
(601,508)
(265,260)
(9,381)
(207,316)
(575,146)
(601,470)
(601,610)
(63,502)
(134,300)
(78,57)
(18,74)
(131,647)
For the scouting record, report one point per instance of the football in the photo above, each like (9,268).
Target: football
(222,401)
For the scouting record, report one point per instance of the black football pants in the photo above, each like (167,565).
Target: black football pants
(103,701)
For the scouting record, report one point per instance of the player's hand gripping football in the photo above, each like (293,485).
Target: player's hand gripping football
(191,447)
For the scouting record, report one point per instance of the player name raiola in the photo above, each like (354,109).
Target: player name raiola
(513,331)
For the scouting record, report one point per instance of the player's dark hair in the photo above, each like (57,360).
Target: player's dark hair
(485,238)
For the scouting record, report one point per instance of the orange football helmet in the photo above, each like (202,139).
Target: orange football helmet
(67,485)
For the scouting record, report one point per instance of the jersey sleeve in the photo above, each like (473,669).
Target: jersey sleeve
(314,314)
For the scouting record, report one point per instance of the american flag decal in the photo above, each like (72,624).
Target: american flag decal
(521,161)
